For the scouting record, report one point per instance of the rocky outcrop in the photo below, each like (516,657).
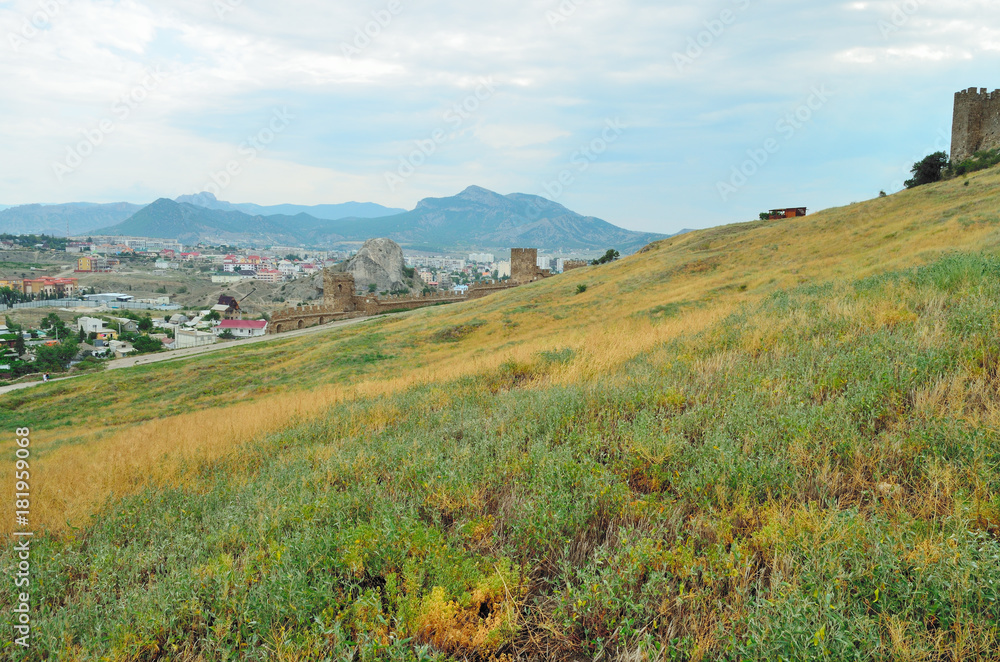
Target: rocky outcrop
(379,262)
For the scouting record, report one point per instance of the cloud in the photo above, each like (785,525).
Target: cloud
(561,68)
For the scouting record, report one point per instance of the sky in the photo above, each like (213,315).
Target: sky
(653,115)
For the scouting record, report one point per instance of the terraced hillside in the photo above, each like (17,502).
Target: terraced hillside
(771,440)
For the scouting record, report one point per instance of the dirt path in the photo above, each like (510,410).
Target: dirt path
(175,355)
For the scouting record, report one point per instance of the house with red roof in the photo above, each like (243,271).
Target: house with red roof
(242,328)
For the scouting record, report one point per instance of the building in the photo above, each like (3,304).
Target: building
(269,275)
(228,307)
(791,212)
(975,124)
(524,266)
(109,298)
(184,338)
(226,280)
(45,286)
(243,328)
(90,325)
(15,284)
(125,324)
(483,258)
(167,264)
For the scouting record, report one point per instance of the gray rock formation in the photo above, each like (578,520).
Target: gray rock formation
(380,261)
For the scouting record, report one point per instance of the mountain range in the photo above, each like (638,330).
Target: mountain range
(474,219)
(328,212)
(79,217)
(88,217)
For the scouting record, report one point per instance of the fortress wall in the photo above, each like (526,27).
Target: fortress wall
(975,123)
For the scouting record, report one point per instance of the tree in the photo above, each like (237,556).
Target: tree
(81,336)
(211,317)
(146,324)
(227,335)
(145,344)
(610,256)
(55,358)
(927,170)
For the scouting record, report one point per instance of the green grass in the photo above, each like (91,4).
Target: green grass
(791,483)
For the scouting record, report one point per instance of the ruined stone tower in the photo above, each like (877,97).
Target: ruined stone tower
(524,266)
(338,290)
(976,123)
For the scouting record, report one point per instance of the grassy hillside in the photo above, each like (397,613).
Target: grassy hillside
(768,440)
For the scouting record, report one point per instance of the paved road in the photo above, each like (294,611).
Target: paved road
(175,355)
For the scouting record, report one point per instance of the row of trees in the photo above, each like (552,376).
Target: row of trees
(937,166)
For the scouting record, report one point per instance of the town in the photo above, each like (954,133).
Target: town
(73,303)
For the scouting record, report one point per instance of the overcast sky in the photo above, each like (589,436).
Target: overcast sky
(636,111)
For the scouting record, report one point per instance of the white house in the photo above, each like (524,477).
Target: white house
(91,325)
(242,328)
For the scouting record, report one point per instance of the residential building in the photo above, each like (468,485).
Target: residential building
(92,264)
(184,338)
(269,275)
(485,258)
(243,328)
(15,284)
(62,287)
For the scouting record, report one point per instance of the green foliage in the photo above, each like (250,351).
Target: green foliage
(213,316)
(145,344)
(581,288)
(145,324)
(979,161)
(928,170)
(227,334)
(55,358)
(779,486)
(610,256)
(458,332)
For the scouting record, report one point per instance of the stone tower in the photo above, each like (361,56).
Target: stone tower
(338,290)
(523,264)
(976,123)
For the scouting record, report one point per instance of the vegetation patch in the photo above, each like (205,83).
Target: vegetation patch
(457,332)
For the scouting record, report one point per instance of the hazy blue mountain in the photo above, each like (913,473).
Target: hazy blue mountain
(474,219)
(479,218)
(328,212)
(167,219)
(83,217)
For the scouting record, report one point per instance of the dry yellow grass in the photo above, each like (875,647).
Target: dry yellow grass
(706,275)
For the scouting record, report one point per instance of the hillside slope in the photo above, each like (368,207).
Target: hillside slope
(767,440)
(81,217)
